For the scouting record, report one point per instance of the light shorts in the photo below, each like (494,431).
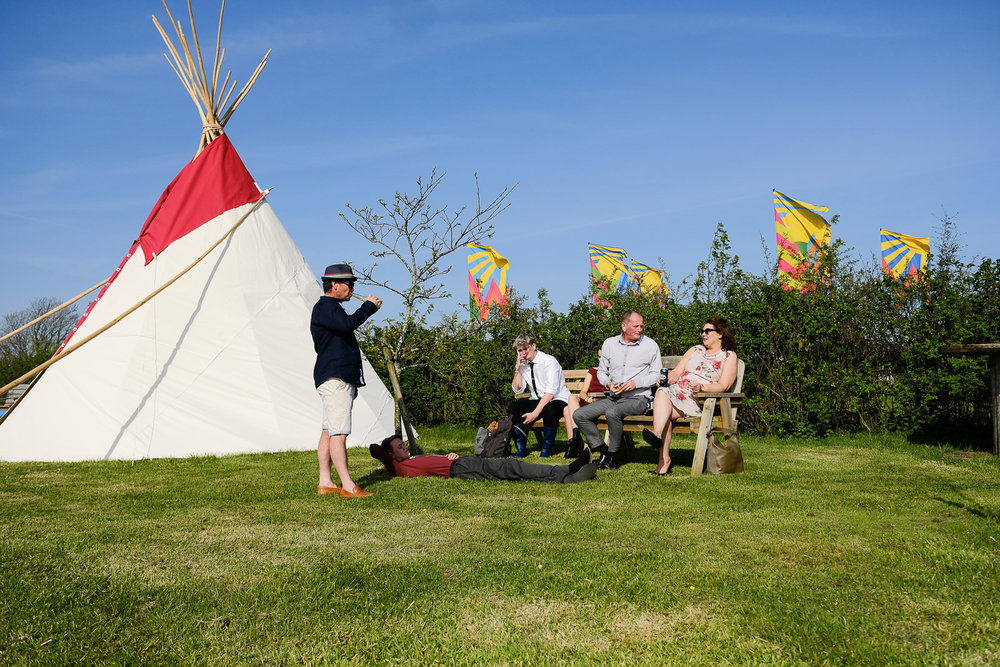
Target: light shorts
(338,398)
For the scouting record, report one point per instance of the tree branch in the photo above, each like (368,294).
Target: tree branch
(420,237)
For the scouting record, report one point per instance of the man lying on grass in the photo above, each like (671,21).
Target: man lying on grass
(395,455)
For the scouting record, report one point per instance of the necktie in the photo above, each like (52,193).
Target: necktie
(531,369)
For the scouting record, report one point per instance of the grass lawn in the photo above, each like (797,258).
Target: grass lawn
(854,550)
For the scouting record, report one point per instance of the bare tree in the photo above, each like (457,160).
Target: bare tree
(718,271)
(949,245)
(36,344)
(420,236)
(42,338)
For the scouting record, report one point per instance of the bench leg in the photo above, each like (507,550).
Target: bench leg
(704,430)
(726,409)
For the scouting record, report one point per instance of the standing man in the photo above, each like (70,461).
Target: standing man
(337,373)
(542,375)
(629,366)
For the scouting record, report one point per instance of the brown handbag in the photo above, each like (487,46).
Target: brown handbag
(724,457)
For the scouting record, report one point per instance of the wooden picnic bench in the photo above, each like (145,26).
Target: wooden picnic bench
(718,412)
(10,398)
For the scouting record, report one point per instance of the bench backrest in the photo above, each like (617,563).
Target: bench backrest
(11,396)
(575,377)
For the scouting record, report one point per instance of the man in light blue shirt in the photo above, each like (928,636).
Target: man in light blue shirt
(629,367)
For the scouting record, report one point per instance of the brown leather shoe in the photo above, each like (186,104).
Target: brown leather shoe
(356,493)
(323,490)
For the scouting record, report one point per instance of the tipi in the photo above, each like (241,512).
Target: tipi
(219,361)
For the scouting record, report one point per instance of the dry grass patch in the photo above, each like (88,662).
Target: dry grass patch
(587,627)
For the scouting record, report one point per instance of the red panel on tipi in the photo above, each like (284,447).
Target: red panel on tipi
(212,183)
(215,181)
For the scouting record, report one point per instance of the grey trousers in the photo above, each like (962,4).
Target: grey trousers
(474,467)
(615,412)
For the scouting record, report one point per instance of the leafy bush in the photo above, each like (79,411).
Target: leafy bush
(858,351)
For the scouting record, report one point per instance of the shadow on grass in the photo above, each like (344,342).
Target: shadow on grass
(640,454)
(372,479)
(959,436)
(972,509)
(680,455)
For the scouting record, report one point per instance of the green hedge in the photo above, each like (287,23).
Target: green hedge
(859,352)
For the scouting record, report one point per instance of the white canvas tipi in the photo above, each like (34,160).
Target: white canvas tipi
(219,362)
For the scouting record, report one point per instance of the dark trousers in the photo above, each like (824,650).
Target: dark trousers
(473,467)
(551,413)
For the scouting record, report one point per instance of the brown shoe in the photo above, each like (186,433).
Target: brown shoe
(356,493)
(323,490)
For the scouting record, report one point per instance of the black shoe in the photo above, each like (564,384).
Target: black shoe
(651,439)
(582,461)
(573,449)
(583,474)
(609,462)
(574,445)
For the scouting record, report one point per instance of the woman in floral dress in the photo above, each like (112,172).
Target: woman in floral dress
(710,366)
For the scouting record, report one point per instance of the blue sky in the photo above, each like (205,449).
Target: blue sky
(631,124)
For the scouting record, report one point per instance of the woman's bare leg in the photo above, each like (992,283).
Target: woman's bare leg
(571,406)
(664,414)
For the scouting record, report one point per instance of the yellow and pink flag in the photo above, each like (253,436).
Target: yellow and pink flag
(487,281)
(904,255)
(801,233)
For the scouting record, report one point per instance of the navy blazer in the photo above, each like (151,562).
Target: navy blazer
(337,351)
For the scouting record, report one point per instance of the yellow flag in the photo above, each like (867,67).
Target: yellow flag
(610,266)
(903,255)
(647,279)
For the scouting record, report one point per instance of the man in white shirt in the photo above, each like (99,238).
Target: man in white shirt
(542,376)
